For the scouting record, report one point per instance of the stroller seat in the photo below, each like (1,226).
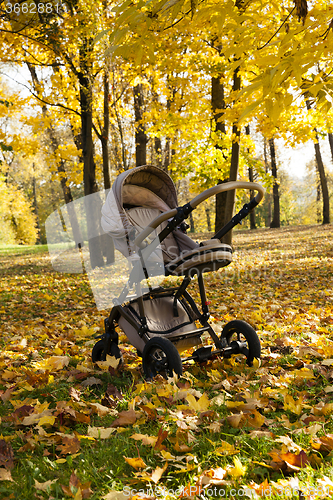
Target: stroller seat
(181,255)
(209,256)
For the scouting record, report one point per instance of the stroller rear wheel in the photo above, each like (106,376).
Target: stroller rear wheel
(160,356)
(243,338)
(98,353)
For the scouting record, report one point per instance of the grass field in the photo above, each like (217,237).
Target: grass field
(71,429)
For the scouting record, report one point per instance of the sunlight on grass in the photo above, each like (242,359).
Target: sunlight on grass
(70,429)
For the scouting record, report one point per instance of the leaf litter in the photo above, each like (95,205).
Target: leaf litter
(263,429)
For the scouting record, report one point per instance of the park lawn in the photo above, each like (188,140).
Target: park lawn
(71,429)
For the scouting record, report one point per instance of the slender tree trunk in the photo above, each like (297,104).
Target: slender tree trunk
(235,148)
(322,175)
(268,218)
(330,140)
(105,132)
(191,220)
(209,225)
(158,151)
(35,205)
(252,213)
(319,218)
(89,168)
(276,197)
(323,182)
(218,105)
(140,130)
(107,242)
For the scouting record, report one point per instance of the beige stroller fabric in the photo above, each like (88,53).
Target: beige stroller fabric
(161,321)
(148,191)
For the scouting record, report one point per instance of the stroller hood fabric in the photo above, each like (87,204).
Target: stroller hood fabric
(136,186)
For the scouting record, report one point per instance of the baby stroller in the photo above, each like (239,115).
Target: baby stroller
(162,323)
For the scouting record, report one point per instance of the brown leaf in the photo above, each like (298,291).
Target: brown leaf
(261,434)
(91,381)
(162,434)
(70,445)
(150,412)
(5,475)
(7,394)
(124,418)
(76,485)
(324,443)
(75,394)
(6,455)
(236,420)
(113,391)
(296,460)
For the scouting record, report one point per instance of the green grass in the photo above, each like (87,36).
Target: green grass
(22,249)
(46,314)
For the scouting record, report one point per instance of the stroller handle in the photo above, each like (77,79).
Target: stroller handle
(228,186)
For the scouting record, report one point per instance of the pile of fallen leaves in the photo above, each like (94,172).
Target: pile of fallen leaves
(72,429)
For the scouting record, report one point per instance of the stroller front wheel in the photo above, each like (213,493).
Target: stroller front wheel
(240,336)
(160,356)
(98,353)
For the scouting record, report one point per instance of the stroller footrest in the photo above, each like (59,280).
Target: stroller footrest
(192,333)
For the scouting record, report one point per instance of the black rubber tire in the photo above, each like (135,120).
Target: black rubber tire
(98,351)
(160,356)
(238,328)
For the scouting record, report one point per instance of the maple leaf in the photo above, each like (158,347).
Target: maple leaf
(292,405)
(6,455)
(124,418)
(91,381)
(5,396)
(76,489)
(5,475)
(136,463)
(147,440)
(199,405)
(74,394)
(70,445)
(212,476)
(226,449)
(44,486)
(100,432)
(238,470)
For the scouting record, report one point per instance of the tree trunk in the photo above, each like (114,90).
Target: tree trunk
(105,132)
(107,241)
(89,168)
(252,213)
(268,194)
(322,175)
(140,130)
(158,151)
(330,140)
(276,197)
(235,148)
(323,182)
(209,225)
(218,105)
(191,220)
(35,205)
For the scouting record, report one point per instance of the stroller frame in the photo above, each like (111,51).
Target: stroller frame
(160,354)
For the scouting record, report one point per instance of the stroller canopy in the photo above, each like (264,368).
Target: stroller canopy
(145,186)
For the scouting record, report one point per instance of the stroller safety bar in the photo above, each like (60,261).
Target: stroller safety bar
(228,186)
